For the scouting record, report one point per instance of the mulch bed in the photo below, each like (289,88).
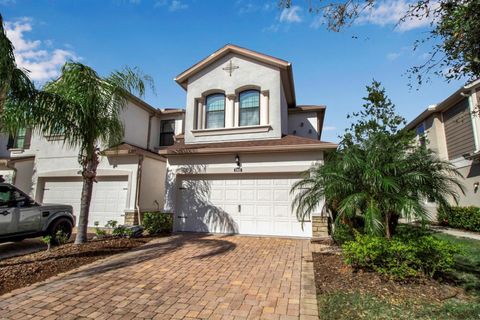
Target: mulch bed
(333,275)
(18,272)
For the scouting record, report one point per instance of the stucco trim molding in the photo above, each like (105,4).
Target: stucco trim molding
(235,130)
(76,173)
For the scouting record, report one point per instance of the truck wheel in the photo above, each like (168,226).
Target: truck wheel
(60,225)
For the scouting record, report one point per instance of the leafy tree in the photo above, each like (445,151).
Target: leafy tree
(376,116)
(15,86)
(378,173)
(454,31)
(82,108)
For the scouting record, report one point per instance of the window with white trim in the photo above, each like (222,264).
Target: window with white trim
(249,113)
(215,111)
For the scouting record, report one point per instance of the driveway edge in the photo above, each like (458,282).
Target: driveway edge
(308,292)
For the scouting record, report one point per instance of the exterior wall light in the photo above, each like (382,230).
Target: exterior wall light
(237,160)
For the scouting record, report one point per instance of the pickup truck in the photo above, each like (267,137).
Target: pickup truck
(22,217)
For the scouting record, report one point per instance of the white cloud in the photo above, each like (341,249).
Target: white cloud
(329,128)
(248,6)
(173,5)
(176,5)
(7,2)
(393,55)
(291,15)
(287,17)
(43,64)
(389,12)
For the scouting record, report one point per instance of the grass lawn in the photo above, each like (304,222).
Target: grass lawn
(467,268)
(365,303)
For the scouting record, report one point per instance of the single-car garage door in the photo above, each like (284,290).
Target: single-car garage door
(109,197)
(244,204)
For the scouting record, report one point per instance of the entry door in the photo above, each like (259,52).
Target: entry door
(258,205)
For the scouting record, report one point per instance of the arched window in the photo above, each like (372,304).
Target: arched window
(249,108)
(215,111)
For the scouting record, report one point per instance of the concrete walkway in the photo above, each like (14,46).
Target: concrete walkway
(456,232)
(181,277)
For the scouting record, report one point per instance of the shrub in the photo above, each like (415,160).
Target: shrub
(122,231)
(342,233)
(60,238)
(467,218)
(111,224)
(99,232)
(157,222)
(400,258)
(48,241)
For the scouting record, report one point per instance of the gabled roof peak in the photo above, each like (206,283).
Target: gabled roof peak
(284,66)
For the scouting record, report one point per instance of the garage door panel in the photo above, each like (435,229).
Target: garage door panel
(108,202)
(231,195)
(264,211)
(265,195)
(242,204)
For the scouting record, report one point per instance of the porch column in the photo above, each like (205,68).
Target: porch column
(200,113)
(264,107)
(230,111)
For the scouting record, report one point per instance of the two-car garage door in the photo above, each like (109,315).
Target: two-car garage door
(109,197)
(258,205)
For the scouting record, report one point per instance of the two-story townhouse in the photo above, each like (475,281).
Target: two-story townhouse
(452,129)
(130,176)
(246,142)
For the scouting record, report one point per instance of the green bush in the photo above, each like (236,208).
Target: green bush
(122,231)
(157,222)
(400,258)
(342,233)
(467,218)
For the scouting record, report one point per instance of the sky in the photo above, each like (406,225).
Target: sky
(165,37)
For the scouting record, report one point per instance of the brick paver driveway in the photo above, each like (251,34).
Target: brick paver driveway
(180,277)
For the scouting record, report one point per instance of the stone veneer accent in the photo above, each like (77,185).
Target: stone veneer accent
(319,227)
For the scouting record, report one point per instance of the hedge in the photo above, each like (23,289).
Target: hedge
(467,218)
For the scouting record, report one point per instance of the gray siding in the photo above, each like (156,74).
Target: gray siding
(458,130)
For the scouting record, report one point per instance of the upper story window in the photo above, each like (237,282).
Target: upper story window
(167,131)
(421,134)
(215,111)
(249,113)
(21,140)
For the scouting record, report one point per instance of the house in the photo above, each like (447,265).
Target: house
(452,129)
(130,176)
(225,164)
(246,142)
(6,172)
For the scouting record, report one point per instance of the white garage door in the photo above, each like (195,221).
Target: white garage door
(258,205)
(109,197)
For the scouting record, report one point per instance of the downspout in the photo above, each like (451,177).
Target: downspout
(139,182)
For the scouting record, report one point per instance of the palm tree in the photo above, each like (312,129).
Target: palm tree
(386,178)
(84,109)
(15,85)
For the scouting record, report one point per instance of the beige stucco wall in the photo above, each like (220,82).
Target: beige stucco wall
(249,73)
(309,128)
(55,159)
(435,134)
(152,188)
(24,176)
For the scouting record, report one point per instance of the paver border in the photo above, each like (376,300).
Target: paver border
(308,291)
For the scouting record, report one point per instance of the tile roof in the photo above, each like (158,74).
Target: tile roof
(287,142)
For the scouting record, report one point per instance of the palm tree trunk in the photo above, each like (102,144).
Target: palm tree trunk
(84,211)
(388,233)
(89,174)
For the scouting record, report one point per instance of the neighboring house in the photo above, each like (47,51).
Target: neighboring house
(452,129)
(246,141)
(130,176)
